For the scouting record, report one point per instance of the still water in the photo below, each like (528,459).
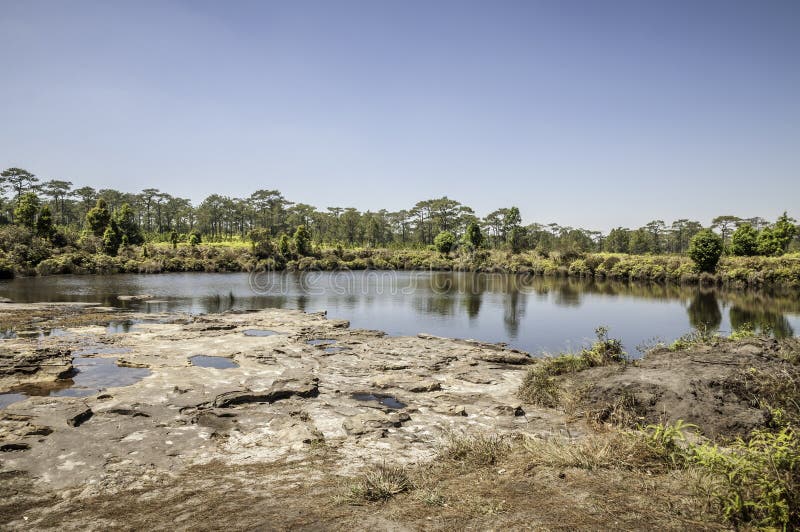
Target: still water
(532,313)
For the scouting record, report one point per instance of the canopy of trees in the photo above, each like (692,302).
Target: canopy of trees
(118,218)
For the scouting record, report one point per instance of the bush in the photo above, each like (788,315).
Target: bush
(260,243)
(744,241)
(302,240)
(473,235)
(444,242)
(705,249)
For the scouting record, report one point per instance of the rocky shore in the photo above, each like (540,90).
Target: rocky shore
(110,421)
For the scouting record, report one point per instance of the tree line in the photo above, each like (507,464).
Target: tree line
(49,206)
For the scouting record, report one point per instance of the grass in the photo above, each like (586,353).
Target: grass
(754,481)
(474,449)
(540,386)
(379,483)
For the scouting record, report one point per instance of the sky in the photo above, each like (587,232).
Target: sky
(584,113)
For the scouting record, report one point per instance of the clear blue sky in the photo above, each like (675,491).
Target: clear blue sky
(592,113)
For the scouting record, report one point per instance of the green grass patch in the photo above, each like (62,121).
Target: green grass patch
(540,386)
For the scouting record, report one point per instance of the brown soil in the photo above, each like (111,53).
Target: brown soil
(725,388)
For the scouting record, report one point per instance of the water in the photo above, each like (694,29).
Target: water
(260,332)
(321,341)
(92,375)
(205,361)
(532,313)
(385,400)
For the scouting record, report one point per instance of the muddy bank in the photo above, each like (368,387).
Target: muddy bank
(726,388)
(285,408)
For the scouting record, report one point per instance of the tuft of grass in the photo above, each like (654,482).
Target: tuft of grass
(699,336)
(379,483)
(474,449)
(624,411)
(539,385)
(744,330)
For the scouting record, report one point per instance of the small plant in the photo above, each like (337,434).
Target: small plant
(759,479)
(744,330)
(669,441)
(539,386)
(474,449)
(700,336)
(380,483)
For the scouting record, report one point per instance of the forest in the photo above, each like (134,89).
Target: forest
(160,217)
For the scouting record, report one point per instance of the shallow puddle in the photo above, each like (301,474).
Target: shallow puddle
(321,341)
(204,361)
(9,398)
(90,376)
(334,350)
(260,332)
(117,327)
(385,400)
(33,333)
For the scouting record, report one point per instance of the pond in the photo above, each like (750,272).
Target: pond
(532,313)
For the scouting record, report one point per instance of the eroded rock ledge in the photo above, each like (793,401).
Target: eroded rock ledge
(301,380)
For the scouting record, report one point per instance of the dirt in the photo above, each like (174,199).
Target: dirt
(725,388)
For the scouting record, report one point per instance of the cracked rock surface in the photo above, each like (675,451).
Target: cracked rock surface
(287,394)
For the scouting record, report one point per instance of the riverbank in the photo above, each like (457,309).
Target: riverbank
(315,425)
(753,272)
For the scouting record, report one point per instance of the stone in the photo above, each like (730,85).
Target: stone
(78,417)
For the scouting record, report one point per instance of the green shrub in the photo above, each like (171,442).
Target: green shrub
(473,235)
(744,241)
(302,240)
(444,242)
(705,249)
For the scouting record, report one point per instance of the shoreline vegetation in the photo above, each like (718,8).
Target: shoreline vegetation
(49,227)
(733,272)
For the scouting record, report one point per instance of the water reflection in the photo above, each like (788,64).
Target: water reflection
(533,313)
(704,312)
(760,320)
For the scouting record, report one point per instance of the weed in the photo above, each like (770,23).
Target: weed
(755,481)
(474,449)
(539,386)
(700,336)
(380,483)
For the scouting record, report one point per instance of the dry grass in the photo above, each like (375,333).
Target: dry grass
(379,483)
(612,450)
(540,387)
(474,449)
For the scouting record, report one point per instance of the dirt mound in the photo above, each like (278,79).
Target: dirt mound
(726,388)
